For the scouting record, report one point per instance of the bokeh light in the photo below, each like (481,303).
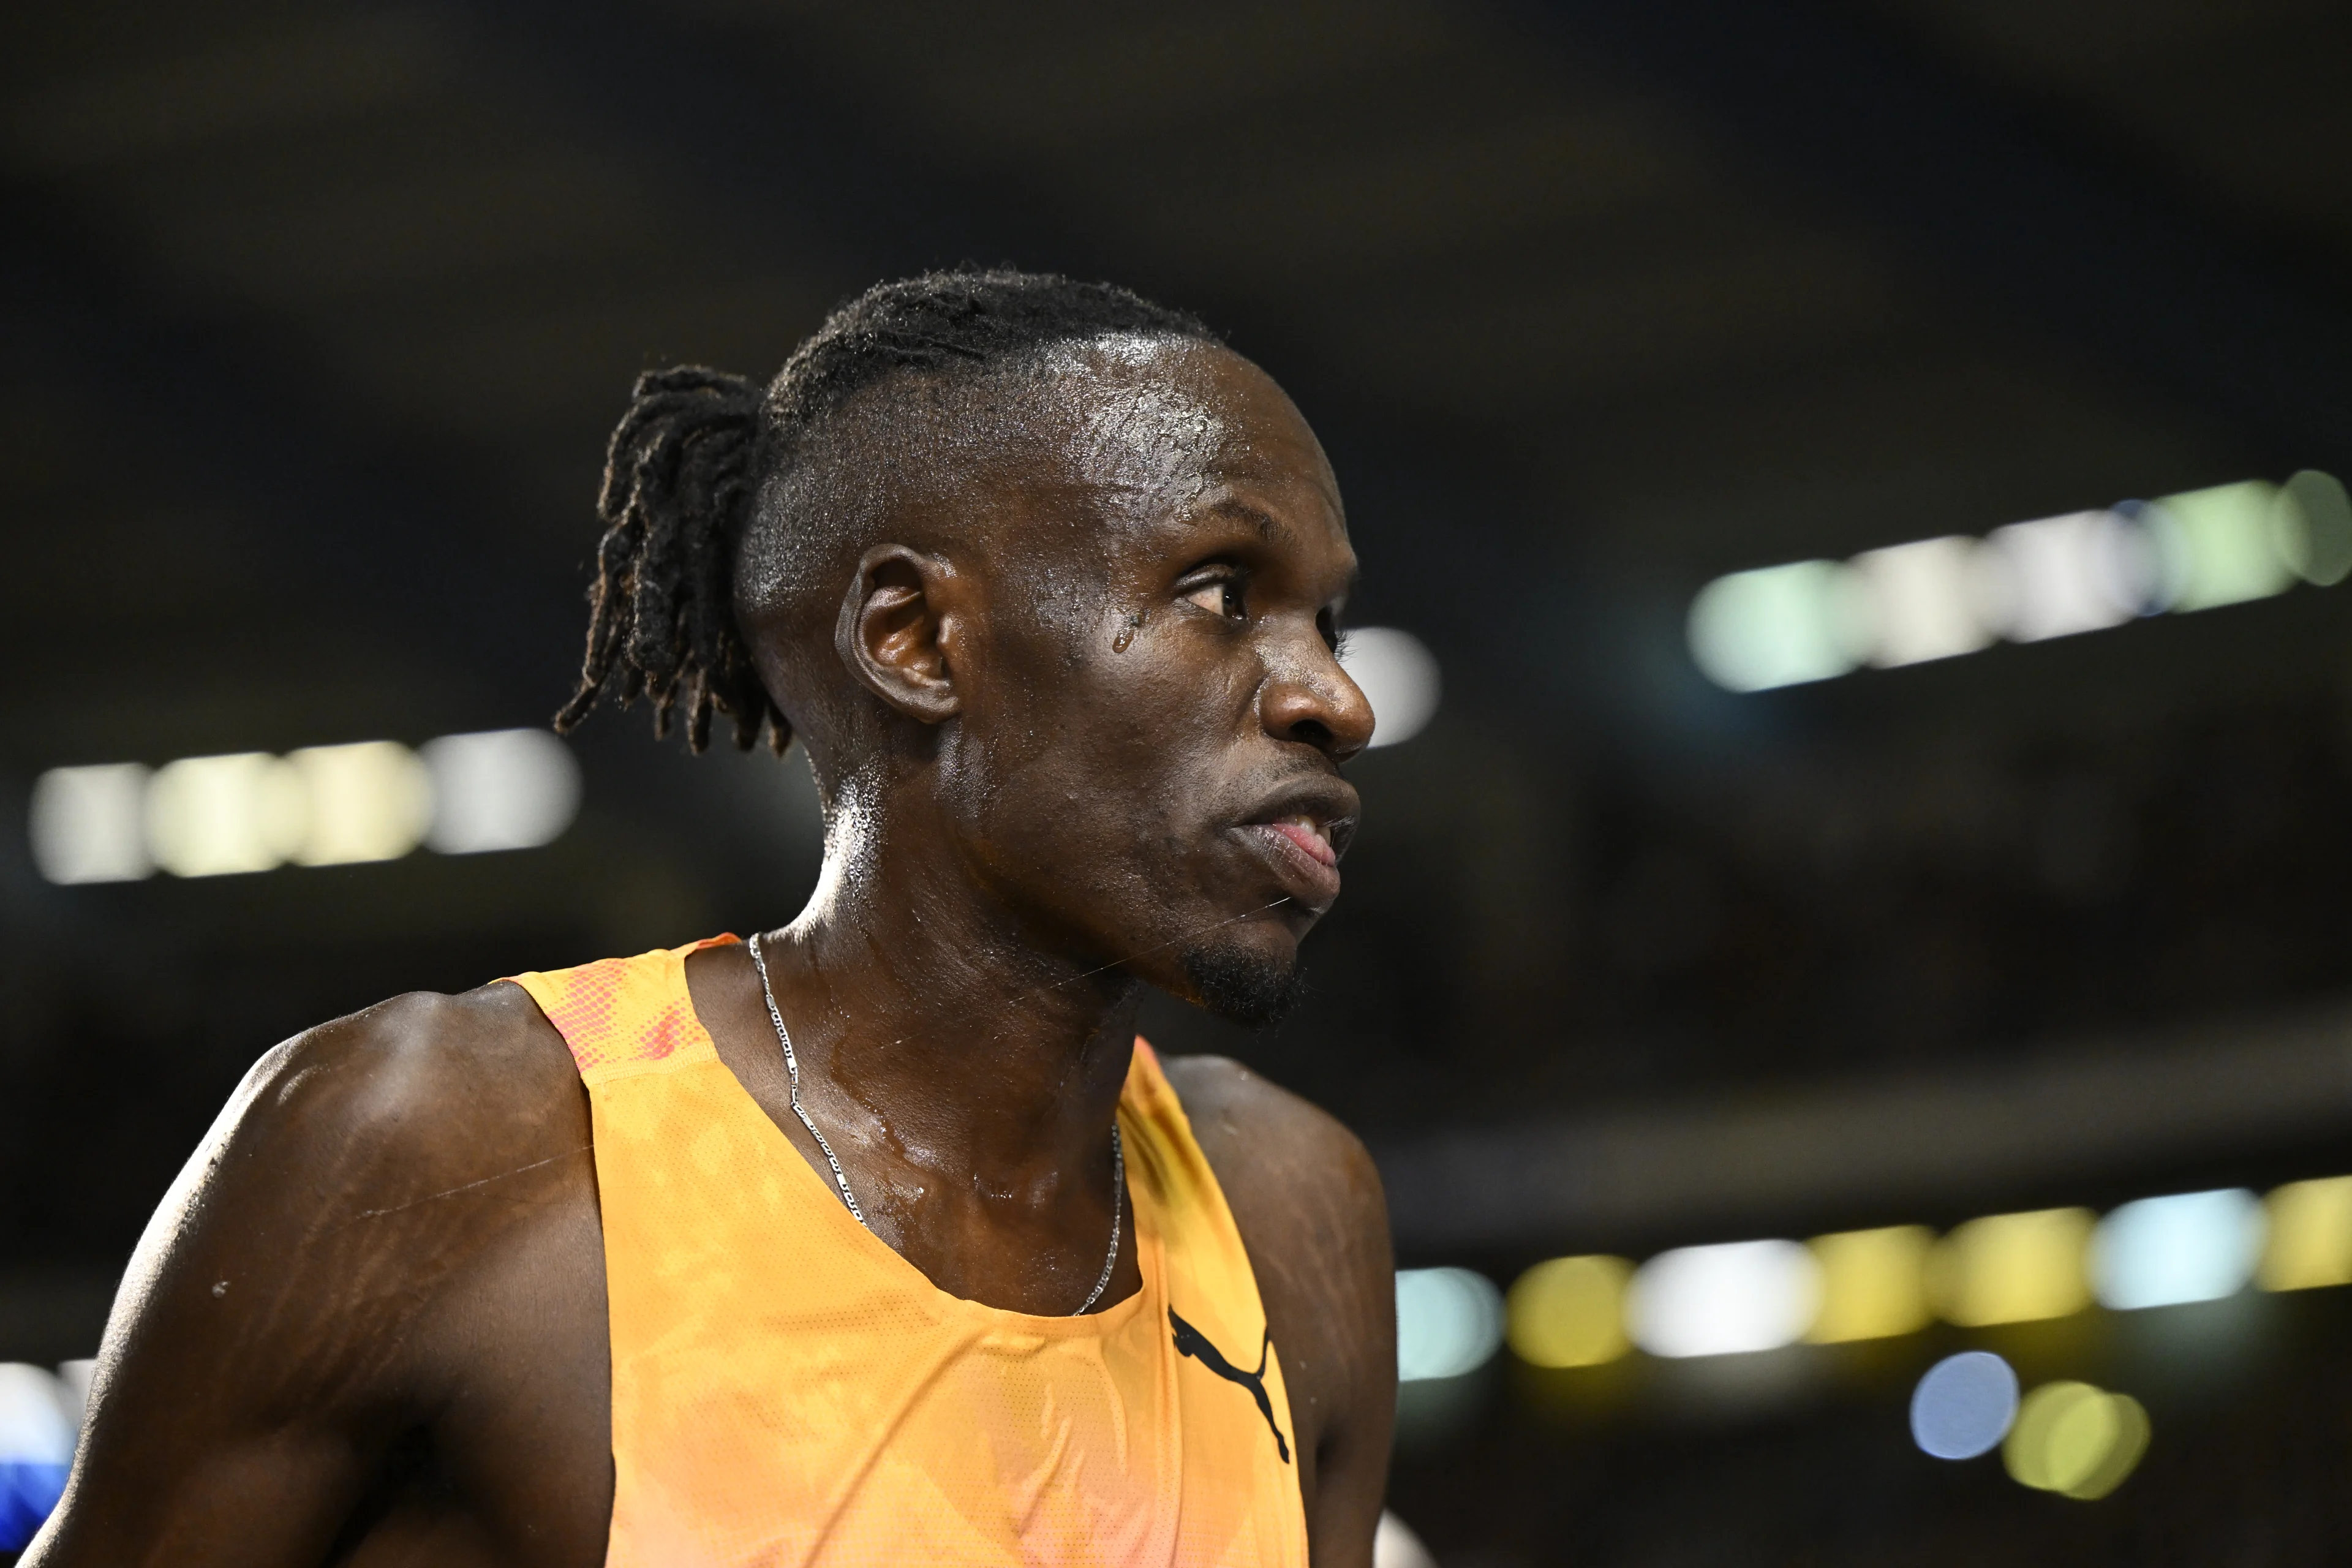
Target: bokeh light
(2192,1246)
(1874,1283)
(2013,1267)
(1398,677)
(2060,576)
(1570,1311)
(90,824)
(372,801)
(37,1428)
(1924,600)
(1718,1300)
(213,816)
(2026,582)
(1780,625)
(1394,1545)
(1449,1321)
(2315,525)
(1964,1405)
(320,805)
(2075,1440)
(500,789)
(2221,545)
(2309,1243)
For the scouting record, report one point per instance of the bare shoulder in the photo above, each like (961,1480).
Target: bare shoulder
(394,1212)
(1284,1161)
(384,1146)
(379,1106)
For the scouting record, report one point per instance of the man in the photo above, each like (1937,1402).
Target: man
(878,1237)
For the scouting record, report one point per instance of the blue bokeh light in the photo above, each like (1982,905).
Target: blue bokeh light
(1964,1405)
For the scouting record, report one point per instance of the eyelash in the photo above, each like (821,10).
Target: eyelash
(1234,584)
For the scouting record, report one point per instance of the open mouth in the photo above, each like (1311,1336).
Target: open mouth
(1310,835)
(1302,846)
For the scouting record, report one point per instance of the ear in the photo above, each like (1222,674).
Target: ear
(897,623)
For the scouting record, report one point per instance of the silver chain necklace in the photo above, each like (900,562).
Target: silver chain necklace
(841,1180)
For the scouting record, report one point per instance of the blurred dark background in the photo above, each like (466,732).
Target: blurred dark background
(317,315)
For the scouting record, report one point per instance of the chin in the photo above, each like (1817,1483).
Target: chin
(1244,985)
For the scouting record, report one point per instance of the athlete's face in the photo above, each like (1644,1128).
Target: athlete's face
(1152,715)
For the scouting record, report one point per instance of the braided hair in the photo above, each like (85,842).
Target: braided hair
(690,457)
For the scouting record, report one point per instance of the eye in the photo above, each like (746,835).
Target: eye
(1225,593)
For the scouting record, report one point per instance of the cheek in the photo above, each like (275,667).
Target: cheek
(1106,777)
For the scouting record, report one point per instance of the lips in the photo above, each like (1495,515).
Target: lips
(1302,846)
(1308,835)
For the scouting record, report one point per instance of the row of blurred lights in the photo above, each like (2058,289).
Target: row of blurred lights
(321,806)
(1907,603)
(1871,1284)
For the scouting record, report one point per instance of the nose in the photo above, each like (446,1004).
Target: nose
(1309,699)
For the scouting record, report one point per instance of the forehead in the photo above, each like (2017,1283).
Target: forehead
(1157,430)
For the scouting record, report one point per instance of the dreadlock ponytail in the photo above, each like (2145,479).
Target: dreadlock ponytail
(679,480)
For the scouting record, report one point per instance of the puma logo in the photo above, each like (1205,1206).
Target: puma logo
(1192,1342)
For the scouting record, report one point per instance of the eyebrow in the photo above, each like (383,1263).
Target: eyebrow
(1263,520)
(1267,528)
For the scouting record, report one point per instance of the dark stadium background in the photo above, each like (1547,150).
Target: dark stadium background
(315,315)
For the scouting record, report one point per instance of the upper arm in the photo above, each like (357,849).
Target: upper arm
(1309,1204)
(264,1351)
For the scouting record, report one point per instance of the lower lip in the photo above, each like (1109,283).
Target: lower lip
(1311,882)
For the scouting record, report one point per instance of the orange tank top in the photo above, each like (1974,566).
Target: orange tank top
(788,1389)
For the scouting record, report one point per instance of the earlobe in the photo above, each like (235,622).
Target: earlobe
(894,628)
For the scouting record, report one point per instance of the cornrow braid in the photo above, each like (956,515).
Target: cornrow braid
(678,479)
(687,462)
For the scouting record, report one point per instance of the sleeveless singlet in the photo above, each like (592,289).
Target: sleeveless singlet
(788,1389)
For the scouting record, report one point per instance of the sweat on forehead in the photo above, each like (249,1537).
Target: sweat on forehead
(1069,436)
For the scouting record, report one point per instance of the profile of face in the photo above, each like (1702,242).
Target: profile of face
(1149,714)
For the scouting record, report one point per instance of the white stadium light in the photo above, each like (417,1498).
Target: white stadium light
(320,805)
(2161,1252)
(2061,576)
(501,789)
(90,824)
(1716,1301)
(1398,675)
(1924,600)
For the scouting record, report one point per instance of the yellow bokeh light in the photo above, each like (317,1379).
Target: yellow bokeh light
(1874,1283)
(369,801)
(2310,1236)
(2076,1441)
(212,816)
(2014,1267)
(1570,1311)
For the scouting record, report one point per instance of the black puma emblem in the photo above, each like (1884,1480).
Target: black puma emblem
(1192,1342)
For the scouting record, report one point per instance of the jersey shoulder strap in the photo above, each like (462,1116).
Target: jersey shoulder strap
(624,1015)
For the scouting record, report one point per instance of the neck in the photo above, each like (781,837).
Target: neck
(942,1027)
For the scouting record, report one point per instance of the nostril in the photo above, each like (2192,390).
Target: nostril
(1312,731)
